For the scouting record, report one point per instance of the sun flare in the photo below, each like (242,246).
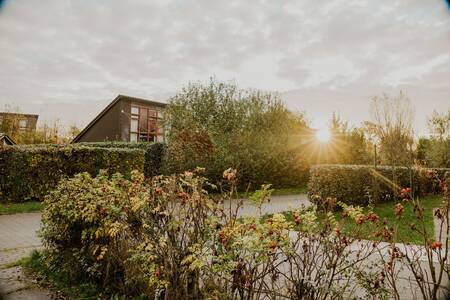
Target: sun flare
(323,135)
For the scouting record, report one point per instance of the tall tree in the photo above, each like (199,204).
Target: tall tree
(438,152)
(349,144)
(218,125)
(391,125)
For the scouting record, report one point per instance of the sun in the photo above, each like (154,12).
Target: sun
(323,135)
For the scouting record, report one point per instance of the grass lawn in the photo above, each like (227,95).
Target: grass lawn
(386,211)
(15,208)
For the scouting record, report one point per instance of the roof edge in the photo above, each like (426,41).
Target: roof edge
(107,108)
(4,135)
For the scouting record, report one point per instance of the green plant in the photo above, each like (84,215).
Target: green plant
(45,133)
(15,208)
(364,184)
(391,126)
(154,153)
(427,265)
(88,227)
(218,125)
(57,278)
(30,172)
(385,212)
(169,239)
(128,235)
(435,151)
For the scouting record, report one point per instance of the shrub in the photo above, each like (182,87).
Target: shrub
(362,184)
(154,153)
(29,173)
(129,235)
(168,239)
(85,226)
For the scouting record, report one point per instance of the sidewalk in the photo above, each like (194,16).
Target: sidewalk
(277,204)
(18,238)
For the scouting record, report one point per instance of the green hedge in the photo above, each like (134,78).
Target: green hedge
(154,153)
(29,173)
(361,184)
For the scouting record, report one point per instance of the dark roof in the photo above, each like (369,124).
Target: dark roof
(107,108)
(4,136)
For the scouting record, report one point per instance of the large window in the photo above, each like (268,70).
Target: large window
(144,125)
(23,124)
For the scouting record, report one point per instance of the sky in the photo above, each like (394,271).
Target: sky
(67,60)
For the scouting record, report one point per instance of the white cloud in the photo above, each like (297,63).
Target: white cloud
(70,52)
(333,70)
(416,72)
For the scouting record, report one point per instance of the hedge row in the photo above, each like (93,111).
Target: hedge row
(29,173)
(362,184)
(154,153)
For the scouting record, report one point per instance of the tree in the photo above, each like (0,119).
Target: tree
(218,125)
(422,150)
(439,125)
(44,134)
(391,125)
(349,145)
(438,151)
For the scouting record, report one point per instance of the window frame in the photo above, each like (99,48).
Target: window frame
(152,117)
(25,121)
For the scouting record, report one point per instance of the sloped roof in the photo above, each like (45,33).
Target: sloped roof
(4,136)
(110,105)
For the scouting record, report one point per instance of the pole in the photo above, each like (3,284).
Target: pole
(375,156)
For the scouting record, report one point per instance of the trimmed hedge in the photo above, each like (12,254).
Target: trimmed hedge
(154,153)
(362,184)
(29,173)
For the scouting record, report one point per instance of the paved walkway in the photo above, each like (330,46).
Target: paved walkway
(277,204)
(18,238)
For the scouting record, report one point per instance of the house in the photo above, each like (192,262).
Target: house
(6,140)
(126,119)
(17,121)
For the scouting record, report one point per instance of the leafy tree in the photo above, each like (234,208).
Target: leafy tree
(217,125)
(391,125)
(422,149)
(438,152)
(44,133)
(350,143)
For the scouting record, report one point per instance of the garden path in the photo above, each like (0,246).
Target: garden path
(277,204)
(18,238)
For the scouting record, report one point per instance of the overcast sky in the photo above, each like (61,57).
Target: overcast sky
(68,59)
